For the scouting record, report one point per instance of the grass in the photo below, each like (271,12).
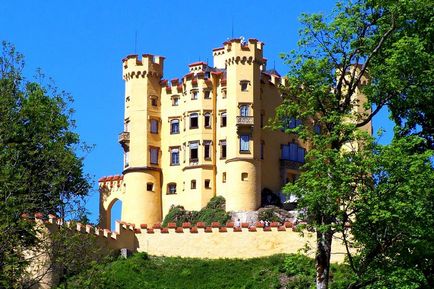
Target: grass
(142,271)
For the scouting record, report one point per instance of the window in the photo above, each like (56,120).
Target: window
(154,101)
(150,187)
(244,110)
(207,120)
(207,94)
(174,126)
(154,155)
(207,150)
(224,177)
(194,120)
(194,94)
(171,188)
(126,158)
(223,149)
(244,143)
(223,119)
(244,84)
(262,119)
(293,152)
(207,184)
(154,126)
(193,184)
(126,125)
(175,101)
(262,149)
(194,147)
(174,156)
(244,177)
(223,93)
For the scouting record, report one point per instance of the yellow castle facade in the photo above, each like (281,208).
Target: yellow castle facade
(187,140)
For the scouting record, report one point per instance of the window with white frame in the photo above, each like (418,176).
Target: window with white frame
(244,110)
(244,143)
(174,156)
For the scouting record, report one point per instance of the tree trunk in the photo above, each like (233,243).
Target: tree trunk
(322,258)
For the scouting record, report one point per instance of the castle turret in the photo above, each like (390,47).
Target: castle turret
(243,62)
(141,139)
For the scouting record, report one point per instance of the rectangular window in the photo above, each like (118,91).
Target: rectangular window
(171,188)
(244,110)
(150,187)
(194,94)
(207,120)
(154,155)
(174,156)
(194,121)
(262,149)
(224,177)
(223,120)
(193,184)
(207,150)
(207,94)
(207,184)
(194,147)
(244,143)
(175,101)
(154,126)
(126,159)
(154,101)
(223,149)
(244,85)
(174,126)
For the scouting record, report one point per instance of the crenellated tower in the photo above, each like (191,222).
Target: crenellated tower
(141,140)
(243,62)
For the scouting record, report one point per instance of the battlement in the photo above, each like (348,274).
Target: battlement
(111,183)
(146,65)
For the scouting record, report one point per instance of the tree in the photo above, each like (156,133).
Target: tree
(368,53)
(40,169)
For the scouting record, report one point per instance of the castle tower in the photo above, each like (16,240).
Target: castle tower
(243,62)
(141,139)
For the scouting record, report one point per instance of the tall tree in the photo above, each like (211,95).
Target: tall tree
(40,170)
(363,49)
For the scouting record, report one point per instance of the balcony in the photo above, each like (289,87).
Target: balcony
(290,164)
(124,139)
(245,120)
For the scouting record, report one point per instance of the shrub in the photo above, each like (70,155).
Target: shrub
(214,211)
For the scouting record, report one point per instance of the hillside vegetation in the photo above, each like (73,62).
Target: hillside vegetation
(142,271)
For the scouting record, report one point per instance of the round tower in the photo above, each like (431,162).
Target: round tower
(141,139)
(243,62)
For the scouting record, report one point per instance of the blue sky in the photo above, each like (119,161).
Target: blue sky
(81,43)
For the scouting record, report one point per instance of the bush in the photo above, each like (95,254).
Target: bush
(214,211)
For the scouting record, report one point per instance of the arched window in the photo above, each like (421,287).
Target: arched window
(244,110)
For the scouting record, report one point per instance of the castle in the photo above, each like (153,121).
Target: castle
(190,139)
(187,140)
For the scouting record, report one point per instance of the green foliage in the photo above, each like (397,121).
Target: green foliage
(40,170)
(214,211)
(169,272)
(269,214)
(384,50)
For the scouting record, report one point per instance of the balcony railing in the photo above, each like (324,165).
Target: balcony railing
(124,138)
(244,120)
(290,164)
